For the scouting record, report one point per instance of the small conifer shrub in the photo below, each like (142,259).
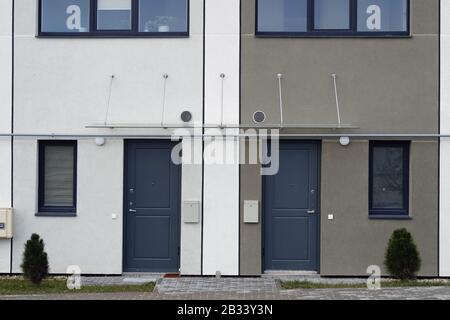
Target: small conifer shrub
(35,261)
(402,259)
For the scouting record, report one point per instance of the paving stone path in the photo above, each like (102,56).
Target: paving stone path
(264,288)
(435,293)
(199,285)
(121,280)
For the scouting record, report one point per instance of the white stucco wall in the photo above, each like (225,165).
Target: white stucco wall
(221,186)
(191,233)
(5,120)
(69,79)
(444,220)
(92,240)
(61,86)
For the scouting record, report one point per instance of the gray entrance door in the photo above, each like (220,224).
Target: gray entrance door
(291,217)
(152,208)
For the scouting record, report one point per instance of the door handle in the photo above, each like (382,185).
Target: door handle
(132,210)
(311,211)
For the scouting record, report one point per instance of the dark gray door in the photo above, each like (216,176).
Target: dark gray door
(291,217)
(152,208)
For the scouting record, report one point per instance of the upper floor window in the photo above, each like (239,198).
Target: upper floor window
(332,17)
(282,16)
(66,16)
(114,17)
(383,15)
(332,14)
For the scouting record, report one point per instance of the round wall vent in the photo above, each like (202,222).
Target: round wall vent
(259,117)
(186,116)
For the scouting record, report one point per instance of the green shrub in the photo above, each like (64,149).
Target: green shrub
(35,260)
(402,258)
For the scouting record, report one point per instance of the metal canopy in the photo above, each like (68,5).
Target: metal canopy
(281,125)
(218,126)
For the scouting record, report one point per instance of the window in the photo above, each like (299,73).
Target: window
(147,18)
(311,18)
(332,14)
(389,179)
(114,14)
(57,177)
(162,16)
(382,15)
(282,16)
(67,16)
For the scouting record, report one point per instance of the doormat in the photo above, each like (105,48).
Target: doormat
(171,275)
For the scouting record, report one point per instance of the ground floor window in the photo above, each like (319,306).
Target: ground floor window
(389,178)
(57,177)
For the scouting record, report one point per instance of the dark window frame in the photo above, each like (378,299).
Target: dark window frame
(133,33)
(350,33)
(55,210)
(391,213)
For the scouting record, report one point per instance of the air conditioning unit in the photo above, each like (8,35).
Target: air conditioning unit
(6,223)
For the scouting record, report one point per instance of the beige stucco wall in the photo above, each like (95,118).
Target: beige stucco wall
(384,85)
(387,86)
(352,242)
(250,234)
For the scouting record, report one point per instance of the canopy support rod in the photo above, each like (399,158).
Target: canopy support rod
(338,111)
(108,103)
(163,116)
(280,92)
(222,77)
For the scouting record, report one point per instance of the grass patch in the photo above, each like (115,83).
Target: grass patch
(291,285)
(20,286)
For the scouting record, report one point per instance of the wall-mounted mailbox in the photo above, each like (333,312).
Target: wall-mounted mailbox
(251,211)
(191,211)
(6,224)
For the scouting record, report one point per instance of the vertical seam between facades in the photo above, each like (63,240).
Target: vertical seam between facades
(439,144)
(203,141)
(239,142)
(12,127)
